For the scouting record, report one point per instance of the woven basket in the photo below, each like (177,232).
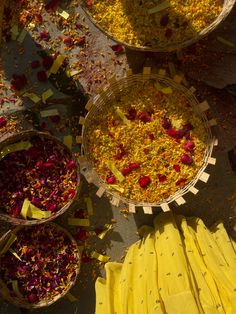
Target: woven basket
(24,136)
(101,103)
(227,7)
(24,304)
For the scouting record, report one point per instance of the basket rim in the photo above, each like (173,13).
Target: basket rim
(27,134)
(21,303)
(168,48)
(96,179)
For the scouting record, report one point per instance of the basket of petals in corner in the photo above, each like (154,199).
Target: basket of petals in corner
(146,141)
(157,25)
(39,178)
(39,265)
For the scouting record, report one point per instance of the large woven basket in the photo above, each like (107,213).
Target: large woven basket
(24,304)
(100,104)
(24,135)
(227,7)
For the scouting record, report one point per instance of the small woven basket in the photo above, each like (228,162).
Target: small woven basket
(24,304)
(101,103)
(24,135)
(227,7)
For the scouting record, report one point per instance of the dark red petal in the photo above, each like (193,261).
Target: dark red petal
(162,178)
(186,159)
(144,181)
(145,117)
(134,166)
(47,62)
(180,181)
(3,122)
(165,122)
(35,64)
(126,171)
(177,168)
(132,113)
(42,76)
(111,179)
(189,146)
(68,41)
(81,41)
(118,49)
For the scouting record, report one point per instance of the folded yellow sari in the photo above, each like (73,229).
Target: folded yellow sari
(178,267)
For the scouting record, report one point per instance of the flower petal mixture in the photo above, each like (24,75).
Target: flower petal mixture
(44,174)
(40,265)
(152,24)
(149,144)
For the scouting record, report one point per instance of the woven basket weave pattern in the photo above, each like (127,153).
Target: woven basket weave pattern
(102,103)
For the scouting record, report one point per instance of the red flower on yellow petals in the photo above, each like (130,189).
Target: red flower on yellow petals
(144,181)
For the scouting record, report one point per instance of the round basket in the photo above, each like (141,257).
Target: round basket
(22,303)
(24,135)
(227,7)
(101,103)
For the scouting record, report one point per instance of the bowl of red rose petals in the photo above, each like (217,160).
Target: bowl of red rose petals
(146,140)
(39,178)
(39,265)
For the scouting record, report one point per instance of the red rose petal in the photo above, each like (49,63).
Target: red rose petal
(18,81)
(145,117)
(42,76)
(162,178)
(3,122)
(144,181)
(134,166)
(118,49)
(186,159)
(44,35)
(177,168)
(126,171)
(35,64)
(189,146)
(68,41)
(132,113)
(181,181)
(111,179)
(81,41)
(47,62)
(166,123)
(81,235)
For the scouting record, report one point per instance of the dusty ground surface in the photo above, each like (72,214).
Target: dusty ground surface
(209,65)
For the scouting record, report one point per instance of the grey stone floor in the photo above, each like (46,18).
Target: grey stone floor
(215,200)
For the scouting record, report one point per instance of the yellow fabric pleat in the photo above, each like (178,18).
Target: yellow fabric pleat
(205,284)
(113,293)
(173,271)
(178,267)
(214,260)
(101,298)
(224,243)
(154,303)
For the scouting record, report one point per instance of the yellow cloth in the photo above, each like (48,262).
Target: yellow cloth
(178,267)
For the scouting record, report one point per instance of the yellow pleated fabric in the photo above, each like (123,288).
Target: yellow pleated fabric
(205,285)
(223,274)
(178,267)
(173,270)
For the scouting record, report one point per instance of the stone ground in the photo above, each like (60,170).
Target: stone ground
(211,67)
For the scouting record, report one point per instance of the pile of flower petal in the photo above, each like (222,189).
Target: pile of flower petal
(45,174)
(149,144)
(40,265)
